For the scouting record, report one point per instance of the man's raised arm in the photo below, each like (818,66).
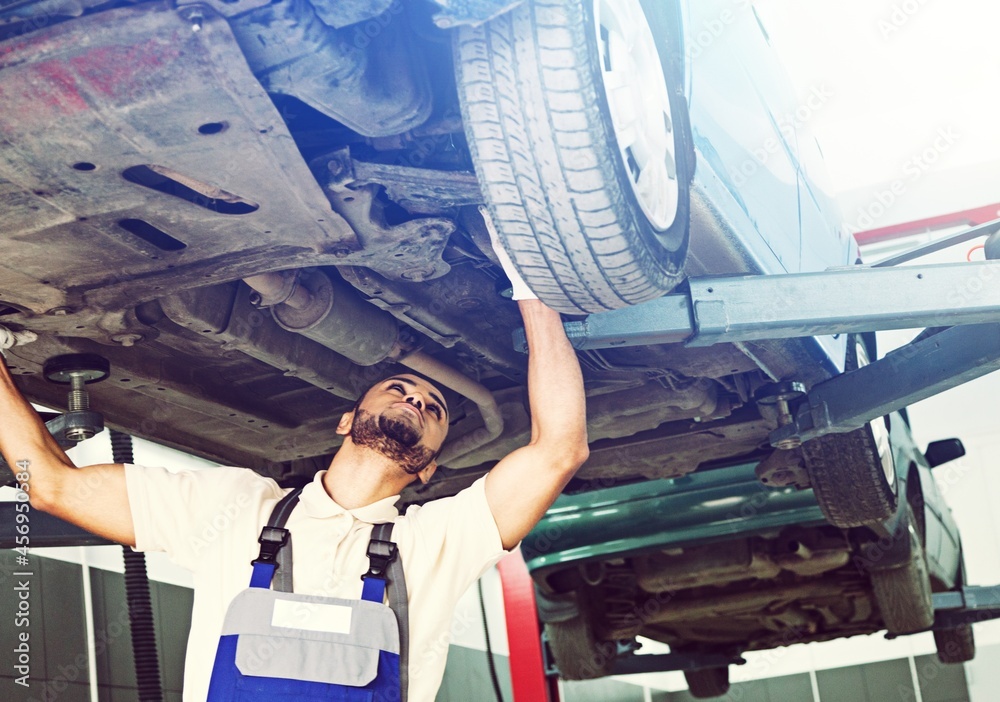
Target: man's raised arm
(93,498)
(525,483)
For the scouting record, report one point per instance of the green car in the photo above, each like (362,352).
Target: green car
(715,563)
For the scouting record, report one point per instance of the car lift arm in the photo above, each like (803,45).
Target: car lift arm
(968,605)
(909,374)
(839,300)
(959,304)
(737,309)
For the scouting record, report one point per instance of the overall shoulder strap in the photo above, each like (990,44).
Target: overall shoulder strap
(275,558)
(279,515)
(396,585)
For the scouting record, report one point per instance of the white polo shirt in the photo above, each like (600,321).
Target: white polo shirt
(208,521)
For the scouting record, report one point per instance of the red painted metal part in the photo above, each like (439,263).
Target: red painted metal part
(523,634)
(971,218)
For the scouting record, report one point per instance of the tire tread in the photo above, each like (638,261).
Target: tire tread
(540,146)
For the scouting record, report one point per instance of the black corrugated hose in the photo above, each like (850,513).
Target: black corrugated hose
(140,608)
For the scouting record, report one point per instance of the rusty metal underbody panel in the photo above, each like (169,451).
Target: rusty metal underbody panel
(139,158)
(132,134)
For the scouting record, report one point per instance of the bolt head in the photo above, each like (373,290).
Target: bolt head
(789,443)
(126,339)
(415,274)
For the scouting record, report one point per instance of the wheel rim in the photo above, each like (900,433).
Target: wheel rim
(637,97)
(880,433)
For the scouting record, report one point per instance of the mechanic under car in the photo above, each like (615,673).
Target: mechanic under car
(391,438)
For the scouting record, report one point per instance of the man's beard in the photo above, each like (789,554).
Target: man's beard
(395,439)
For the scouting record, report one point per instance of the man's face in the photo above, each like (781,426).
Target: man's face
(405,419)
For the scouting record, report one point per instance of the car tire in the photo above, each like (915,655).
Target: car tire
(956,645)
(903,594)
(707,682)
(578,654)
(853,475)
(589,226)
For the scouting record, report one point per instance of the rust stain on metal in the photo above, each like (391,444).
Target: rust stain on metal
(46,89)
(119,71)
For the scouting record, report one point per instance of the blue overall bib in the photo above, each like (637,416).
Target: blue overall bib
(277,646)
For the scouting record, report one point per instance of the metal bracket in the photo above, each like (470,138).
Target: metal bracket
(410,251)
(967,605)
(61,427)
(910,374)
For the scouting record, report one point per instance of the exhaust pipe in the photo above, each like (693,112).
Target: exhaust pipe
(332,314)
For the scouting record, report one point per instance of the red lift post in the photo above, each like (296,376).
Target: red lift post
(524,639)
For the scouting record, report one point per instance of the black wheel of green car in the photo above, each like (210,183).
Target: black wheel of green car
(903,594)
(853,475)
(707,682)
(955,645)
(578,653)
(579,134)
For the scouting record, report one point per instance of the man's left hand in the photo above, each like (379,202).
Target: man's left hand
(10,339)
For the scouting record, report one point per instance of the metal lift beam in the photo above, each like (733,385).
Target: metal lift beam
(737,309)
(969,605)
(909,374)
(958,304)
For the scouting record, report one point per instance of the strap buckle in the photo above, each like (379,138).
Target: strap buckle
(271,540)
(380,555)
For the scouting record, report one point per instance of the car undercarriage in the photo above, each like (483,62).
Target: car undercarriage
(165,174)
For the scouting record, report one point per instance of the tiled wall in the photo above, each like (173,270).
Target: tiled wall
(59,656)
